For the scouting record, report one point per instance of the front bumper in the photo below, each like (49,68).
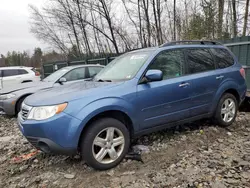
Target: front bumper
(57,135)
(8,107)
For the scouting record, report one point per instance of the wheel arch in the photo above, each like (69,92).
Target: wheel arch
(19,99)
(228,87)
(116,114)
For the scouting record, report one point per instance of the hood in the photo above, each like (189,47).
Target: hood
(18,87)
(68,93)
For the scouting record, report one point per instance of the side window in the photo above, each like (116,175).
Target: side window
(75,74)
(170,62)
(199,60)
(223,57)
(22,71)
(10,72)
(1,74)
(94,70)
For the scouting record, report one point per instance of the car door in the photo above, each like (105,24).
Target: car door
(201,68)
(75,75)
(168,100)
(10,77)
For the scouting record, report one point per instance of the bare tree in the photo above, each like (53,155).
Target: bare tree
(220,17)
(90,27)
(245,18)
(145,6)
(234,18)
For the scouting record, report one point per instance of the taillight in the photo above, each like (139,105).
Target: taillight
(242,72)
(37,73)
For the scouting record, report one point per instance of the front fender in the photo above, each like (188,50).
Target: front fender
(230,84)
(106,104)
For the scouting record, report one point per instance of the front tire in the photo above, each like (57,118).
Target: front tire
(105,143)
(226,111)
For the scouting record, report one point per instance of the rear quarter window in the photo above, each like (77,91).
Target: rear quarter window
(222,57)
(22,71)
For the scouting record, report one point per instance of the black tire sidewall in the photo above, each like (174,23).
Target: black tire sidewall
(218,117)
(89,136)
(18,105)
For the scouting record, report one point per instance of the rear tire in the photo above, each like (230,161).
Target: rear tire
(105,143)
(226,111)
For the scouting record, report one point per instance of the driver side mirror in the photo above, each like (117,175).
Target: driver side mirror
(152,75)
(62,80)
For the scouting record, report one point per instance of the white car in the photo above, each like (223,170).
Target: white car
(10,76)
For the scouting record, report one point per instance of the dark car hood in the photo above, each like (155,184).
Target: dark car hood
(68,92)
(23,86)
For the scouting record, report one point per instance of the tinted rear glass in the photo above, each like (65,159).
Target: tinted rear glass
(10,72)
(199,60)
(222,57)
(22,71)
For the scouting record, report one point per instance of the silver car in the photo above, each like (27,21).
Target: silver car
(11,98)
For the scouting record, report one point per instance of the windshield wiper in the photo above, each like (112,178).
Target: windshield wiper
(100,80)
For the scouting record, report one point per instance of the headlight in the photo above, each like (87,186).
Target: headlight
(45,112)
(7,96)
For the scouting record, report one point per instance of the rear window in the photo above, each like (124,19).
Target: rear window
(199,60)
(222,57)
(22,71)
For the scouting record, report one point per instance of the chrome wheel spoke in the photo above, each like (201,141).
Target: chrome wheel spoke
(110,133)
(118,141)
(101,154)
(99,142)
(223,111)
(225,117)
(112,153)
(227,102)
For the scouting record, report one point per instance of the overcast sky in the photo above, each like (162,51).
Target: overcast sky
(14,26)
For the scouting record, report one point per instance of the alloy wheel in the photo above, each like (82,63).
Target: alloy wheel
(108,145)
(228,110)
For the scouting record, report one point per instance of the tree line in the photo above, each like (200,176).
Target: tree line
(87,27)
(36,59)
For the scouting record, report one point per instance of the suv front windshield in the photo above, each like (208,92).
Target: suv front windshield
(56,75)
(124,67)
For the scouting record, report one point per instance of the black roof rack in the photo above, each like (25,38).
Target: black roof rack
(191,42)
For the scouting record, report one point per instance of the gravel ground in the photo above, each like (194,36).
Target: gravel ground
(194,155)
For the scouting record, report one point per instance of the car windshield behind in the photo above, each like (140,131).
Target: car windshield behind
(124,67)
(56,75)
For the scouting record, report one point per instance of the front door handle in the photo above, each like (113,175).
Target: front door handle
(184,84)
(219,77)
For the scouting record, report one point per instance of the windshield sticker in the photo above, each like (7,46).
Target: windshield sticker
(141,56)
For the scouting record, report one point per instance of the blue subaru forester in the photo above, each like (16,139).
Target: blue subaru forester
(139,92)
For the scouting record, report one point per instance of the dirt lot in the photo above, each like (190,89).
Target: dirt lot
(195,155)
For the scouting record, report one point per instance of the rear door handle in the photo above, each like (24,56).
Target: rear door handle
(184,84)
(219,77)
